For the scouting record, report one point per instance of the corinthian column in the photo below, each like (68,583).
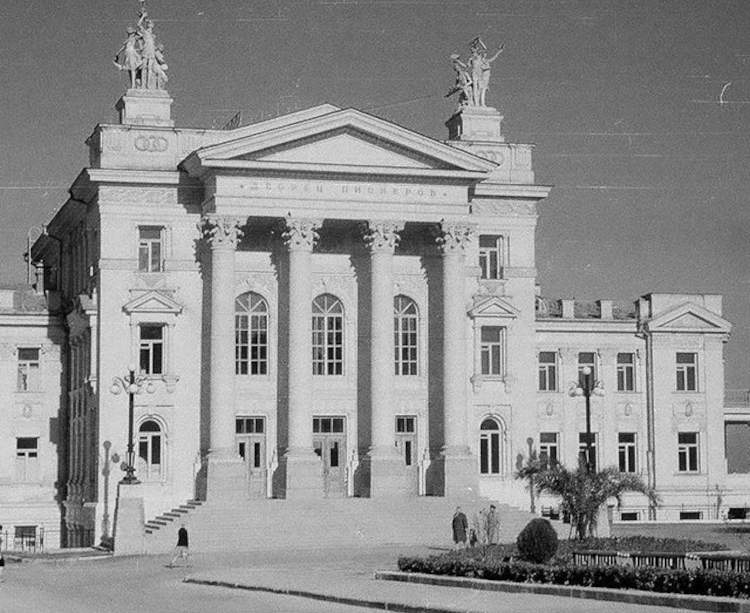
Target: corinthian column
(387,470)
(303,467)
(222,234)
(459,467)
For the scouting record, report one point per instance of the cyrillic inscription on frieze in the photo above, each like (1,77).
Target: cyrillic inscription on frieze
(317,190)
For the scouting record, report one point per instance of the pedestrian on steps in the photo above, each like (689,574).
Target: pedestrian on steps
(460,526)
(181,550)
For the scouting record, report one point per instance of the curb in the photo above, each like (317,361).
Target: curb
(677,601)
(359,602)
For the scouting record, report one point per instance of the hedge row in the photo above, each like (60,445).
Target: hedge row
(694,581)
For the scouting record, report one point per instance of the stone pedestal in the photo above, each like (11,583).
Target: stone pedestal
(459,473)
(388,475)
(304,475)
(145,107)
(129,521)
(226,478)
(476,123)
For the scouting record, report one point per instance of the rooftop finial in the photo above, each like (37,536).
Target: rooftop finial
(473,76)
(141,56)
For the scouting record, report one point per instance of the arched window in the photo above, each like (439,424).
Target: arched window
(405,337)
(327,335)
(489,447)
(250,335)
(150,451)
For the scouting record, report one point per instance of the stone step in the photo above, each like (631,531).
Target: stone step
(268,523)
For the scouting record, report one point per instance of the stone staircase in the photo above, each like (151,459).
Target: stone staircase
(265,524)
(178,514)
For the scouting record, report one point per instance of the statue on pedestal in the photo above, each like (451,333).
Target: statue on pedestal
(141,56)
(473,76)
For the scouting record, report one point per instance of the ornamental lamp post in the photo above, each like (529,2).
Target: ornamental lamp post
(587,387)
(131,384)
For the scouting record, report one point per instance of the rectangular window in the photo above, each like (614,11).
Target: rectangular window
(548,450)
(582,448)
(27,458)
(248,425)
(629,516)
(687,452)
(492,350)
(687,372)
(625,372)
(687,515)
(150,249)
(626,452)
(328,425)
(28,379)
(151,349)
(491,256)
(737,446)
(586,359)
(547,371)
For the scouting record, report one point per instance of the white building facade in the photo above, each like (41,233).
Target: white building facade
(326,304)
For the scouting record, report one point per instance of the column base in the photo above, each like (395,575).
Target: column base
(304,475)
(389,476)
(129,535)
(226,478)
(460,478)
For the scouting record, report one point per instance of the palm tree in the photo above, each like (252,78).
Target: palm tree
(583,493)
(527,470)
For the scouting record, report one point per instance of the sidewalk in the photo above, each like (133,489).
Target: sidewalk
(359,587)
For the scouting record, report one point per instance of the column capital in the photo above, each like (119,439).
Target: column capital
(300,234)
(221,231)
(452,237)
(382,236)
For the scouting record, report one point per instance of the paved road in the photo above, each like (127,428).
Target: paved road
(134,585)
(144,584)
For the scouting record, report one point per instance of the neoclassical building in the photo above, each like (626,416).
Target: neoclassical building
(326,304)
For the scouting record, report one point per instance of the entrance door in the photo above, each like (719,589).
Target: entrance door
(406,443)
(250,441)
(329,442)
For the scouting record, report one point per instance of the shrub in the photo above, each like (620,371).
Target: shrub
(537,542)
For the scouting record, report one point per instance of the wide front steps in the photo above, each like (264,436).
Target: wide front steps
(256,525)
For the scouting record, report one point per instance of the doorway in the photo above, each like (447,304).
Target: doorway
(250,442)
(329,442)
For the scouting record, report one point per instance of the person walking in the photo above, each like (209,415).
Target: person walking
(491,526)
(181,549)
(460,526)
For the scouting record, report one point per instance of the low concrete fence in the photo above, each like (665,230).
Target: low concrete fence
(680,561)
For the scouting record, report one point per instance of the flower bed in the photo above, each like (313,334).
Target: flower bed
(695,581)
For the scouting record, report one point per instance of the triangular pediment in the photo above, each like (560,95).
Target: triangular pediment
(336,140)
(152,302)
(493,306)
(689,317)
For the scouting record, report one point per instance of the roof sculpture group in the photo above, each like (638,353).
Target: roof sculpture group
(473,75)
(142,56)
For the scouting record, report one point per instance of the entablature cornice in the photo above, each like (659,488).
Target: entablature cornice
(507,190)
(578,326)
(210,167)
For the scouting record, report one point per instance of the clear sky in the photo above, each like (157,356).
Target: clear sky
(623,100)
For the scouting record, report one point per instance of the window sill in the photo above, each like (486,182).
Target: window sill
(685,473)
(477,381)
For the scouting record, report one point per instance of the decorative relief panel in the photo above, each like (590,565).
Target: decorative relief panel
(112,140)
(547,409)
(688,409)
(628,410)
(521,157)
(140,195)
(506,209)
(263,283)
